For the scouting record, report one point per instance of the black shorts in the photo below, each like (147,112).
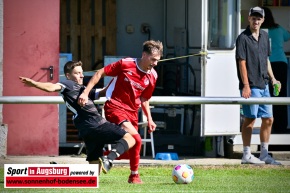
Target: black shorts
(107,133)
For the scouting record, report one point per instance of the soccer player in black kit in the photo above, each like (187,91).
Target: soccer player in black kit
(92,127)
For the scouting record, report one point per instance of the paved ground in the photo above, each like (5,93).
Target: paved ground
(67,159)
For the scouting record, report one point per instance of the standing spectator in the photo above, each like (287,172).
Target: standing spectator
(92,127)
(254,73)
(133,84)
(278,35)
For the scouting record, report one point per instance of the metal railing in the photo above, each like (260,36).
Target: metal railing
(182,100)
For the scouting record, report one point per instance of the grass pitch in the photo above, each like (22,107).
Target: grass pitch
(209,179)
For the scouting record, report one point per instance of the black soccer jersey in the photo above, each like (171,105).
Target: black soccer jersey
(85,118)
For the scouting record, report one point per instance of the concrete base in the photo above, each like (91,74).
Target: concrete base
(3,140)
(234,148)
(278,155)
(236,152)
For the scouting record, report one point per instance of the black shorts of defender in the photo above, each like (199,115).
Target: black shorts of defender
(106,133)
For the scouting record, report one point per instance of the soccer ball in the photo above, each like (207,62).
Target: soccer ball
(182,174)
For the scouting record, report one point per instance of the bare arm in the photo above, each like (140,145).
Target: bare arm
(83,99)
(271,75)
(45,86)
(146,109)
(246,93)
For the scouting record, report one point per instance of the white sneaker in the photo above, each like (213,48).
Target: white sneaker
(251,160)
(269,160)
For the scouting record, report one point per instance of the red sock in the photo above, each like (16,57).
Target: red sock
(134,153)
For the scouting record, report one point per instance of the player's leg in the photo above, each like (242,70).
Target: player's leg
(112,133)
(121,146)
(134,152)
(94,151)
(128,121)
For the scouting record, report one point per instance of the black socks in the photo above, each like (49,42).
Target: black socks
(120,148)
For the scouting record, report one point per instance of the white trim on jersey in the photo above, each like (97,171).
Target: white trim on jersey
(141,69)
(129,59)
(97,93)
(111,88)
(72,110)
(62,86)
(66,103)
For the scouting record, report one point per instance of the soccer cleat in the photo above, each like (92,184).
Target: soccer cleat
(134,179)
(106,164)
(269,160)
(251,160)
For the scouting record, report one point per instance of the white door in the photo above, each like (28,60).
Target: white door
(220,27)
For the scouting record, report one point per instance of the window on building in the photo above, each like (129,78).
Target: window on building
(223,24)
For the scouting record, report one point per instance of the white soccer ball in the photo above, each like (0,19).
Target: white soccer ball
(182,174)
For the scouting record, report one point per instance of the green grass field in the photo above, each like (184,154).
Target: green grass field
(238,178)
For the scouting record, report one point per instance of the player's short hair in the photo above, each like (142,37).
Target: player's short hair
(151,46)
(70,65)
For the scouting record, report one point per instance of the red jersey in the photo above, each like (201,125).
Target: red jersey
(129,84)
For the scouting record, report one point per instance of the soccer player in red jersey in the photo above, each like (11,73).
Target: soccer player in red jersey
(132,86)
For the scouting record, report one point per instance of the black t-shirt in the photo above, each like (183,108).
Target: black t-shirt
(87,117)
(256,54)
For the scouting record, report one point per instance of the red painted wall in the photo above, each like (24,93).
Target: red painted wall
(31,42)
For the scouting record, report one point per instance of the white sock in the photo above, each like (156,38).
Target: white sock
(134,172)
(247,151)
(264,149)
